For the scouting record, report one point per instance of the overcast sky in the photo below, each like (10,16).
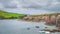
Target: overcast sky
(30,6)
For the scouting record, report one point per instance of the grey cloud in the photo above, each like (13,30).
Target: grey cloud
(8,4)
(49,6)
(34,4)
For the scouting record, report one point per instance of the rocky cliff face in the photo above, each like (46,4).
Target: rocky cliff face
(58,21)
(50,20)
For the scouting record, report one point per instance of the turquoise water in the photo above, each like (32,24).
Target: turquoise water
(20,27)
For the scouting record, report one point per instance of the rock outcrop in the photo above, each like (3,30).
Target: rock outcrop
(50,20)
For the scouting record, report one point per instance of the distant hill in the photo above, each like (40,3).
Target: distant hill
(4,14)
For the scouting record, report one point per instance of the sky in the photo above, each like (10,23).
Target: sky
(30,6)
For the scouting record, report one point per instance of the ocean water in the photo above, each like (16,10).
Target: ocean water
(15,26)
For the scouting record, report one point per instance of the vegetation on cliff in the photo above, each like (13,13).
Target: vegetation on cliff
(8,15)
(47,14)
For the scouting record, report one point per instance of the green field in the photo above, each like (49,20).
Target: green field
(9,15)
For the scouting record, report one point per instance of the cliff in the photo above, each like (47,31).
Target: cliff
(50,19)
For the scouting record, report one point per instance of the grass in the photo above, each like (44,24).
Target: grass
(4,14)
(47,14)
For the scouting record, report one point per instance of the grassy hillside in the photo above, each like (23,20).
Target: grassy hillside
(47,14)
(4,14)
